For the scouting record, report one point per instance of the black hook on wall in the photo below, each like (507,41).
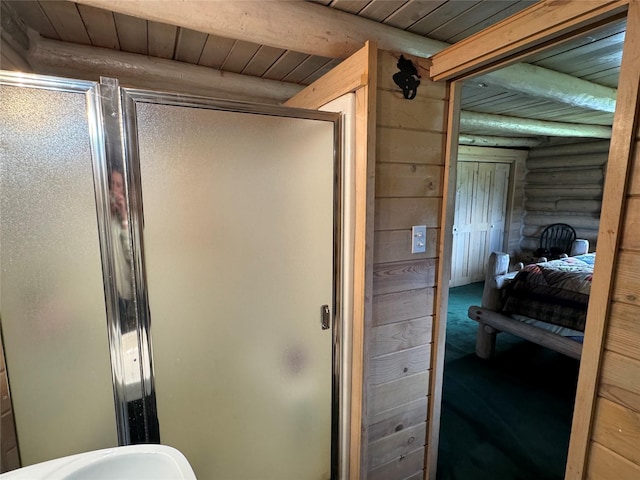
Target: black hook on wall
(407,78)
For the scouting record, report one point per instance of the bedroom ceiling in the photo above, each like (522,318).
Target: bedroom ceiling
(595,57)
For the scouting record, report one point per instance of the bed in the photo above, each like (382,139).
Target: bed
(545,303)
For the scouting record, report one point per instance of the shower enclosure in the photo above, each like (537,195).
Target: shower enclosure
(171,272)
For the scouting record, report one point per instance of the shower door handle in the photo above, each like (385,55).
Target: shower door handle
(325,317)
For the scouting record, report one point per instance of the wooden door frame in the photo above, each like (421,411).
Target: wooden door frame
(534,29)
(357,74)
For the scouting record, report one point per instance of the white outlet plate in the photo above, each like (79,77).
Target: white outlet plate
(419,239)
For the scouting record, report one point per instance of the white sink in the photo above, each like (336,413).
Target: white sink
(133,462)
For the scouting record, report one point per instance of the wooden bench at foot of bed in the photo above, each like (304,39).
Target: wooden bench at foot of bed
(490,323)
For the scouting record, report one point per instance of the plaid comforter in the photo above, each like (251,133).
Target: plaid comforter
(555,292)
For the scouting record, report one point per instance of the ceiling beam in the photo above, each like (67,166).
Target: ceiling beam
(317,30)
(52,57)
(504,125)
(493,141)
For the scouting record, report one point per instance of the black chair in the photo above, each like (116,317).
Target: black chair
(556,240)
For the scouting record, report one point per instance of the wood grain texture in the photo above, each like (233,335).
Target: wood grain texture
(618,429)
(398,392)
(400,335)
(397,307)
(410,146)
(396,445)
(401,276)
(623,333)
(604,287)
(399,213)
(408,180)
(605,463)
(399,468)
(621,373)
(627,278)
(396,419)
(392,366)
(417,114)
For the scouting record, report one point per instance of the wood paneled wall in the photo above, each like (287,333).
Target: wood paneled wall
(614,450)
(564,185)
(409,173)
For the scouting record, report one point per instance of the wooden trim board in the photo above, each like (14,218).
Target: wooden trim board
(541,24)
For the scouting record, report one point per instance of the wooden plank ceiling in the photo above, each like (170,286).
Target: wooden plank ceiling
(594,57)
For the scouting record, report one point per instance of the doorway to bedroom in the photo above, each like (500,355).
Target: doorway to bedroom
(510,416)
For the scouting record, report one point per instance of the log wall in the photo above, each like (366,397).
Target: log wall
(409,172)
(563,184)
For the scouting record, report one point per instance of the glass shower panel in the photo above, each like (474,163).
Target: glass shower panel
(238,239)
(52,302)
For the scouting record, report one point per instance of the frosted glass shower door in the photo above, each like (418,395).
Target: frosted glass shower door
(52,296)
(238,245)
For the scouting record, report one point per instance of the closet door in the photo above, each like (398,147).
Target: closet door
(481,202)
(239,252)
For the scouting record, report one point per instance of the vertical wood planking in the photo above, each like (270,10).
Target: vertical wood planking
(409,174)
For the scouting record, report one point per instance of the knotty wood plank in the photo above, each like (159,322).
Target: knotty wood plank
(399,468)
(398,277)
(618,429)
(408,180)
(392,394)
(399,213)
(398,418)
(605,463)
(397,307)
(400,335)
(410,146)
(393,366)
(417,114)
(623,333)
(399,444)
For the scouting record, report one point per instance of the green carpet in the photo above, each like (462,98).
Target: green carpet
(508,418)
